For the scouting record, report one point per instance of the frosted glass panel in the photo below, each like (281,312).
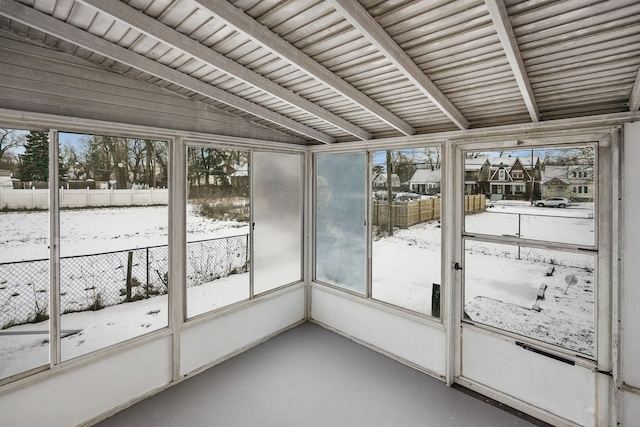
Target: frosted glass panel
(340,202)
(277,217)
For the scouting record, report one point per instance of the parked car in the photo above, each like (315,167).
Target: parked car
(404,197)
(553,202)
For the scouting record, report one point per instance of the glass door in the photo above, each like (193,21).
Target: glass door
(528,268)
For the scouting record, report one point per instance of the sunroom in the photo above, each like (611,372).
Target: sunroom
(183,180)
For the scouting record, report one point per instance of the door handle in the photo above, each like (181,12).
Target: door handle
(456,266)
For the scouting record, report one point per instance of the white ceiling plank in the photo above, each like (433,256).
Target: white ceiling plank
(634,100)
(168,35)
(262,35)
(502,24)
(376,35)
(29,16)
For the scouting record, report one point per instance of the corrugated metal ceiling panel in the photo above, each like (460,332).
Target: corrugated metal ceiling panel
(580,58)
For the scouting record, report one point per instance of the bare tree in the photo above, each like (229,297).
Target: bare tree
(10,139)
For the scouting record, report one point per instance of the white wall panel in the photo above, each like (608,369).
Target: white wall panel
(630,315)
(631,409)
(84,392)
(414,341)
(40,80)
(204,343)
(497,362)
(630,265)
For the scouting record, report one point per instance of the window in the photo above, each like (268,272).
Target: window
(585,190)
(341,220)
(218,246)
(24,258)
(406,234)
(113,240)
(277,218)
(543,288)
(501,174)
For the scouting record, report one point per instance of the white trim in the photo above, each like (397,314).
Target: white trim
(55,321)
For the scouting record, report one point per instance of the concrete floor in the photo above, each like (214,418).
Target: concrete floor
(309,376)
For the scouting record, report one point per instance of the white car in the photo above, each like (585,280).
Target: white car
(553,202)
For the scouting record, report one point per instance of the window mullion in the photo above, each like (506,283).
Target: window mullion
(54,250)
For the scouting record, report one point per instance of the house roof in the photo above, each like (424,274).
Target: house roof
(327,71)
(475,163)
(555,172)
(510,161)
(426,175)
(382,177)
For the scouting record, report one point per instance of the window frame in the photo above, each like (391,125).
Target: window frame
(605,141)
(369,149)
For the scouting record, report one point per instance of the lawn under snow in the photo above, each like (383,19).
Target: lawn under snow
(501,290)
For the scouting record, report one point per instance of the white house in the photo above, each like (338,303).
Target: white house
(426,181)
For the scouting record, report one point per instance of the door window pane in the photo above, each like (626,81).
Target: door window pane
(277,217)
(24,258)
(406,233)
(341,225)
(542,294)
(113,240)
(538,202)
(217,228)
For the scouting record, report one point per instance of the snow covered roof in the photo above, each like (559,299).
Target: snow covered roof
(555,172)
(426,175)
(510,161)
(475,163)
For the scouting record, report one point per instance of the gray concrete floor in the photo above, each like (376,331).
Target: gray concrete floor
(309,376)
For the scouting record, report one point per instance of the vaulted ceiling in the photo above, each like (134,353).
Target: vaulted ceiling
(328,71)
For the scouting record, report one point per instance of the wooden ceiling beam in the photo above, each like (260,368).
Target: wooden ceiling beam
(167,35)
(502,25)
(634,100)
(377,36)
(50,25)
(260,34)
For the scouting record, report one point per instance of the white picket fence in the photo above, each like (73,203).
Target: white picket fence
(39,198)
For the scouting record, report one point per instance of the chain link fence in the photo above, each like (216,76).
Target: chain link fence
(92,282)
(208,260)
(576,229)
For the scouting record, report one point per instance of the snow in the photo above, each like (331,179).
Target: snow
(501,290)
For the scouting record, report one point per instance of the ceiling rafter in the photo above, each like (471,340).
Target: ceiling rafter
(243,23)
(634,100)
(50,25)
(156,29)
(376,35)
(502,24)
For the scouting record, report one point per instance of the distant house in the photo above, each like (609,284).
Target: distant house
(380,181)
(5,179)
(574,182)
(476,175)
(240,176)
(515,178)
(425,181)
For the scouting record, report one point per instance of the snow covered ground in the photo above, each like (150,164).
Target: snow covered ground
(501,290)
(24,236)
